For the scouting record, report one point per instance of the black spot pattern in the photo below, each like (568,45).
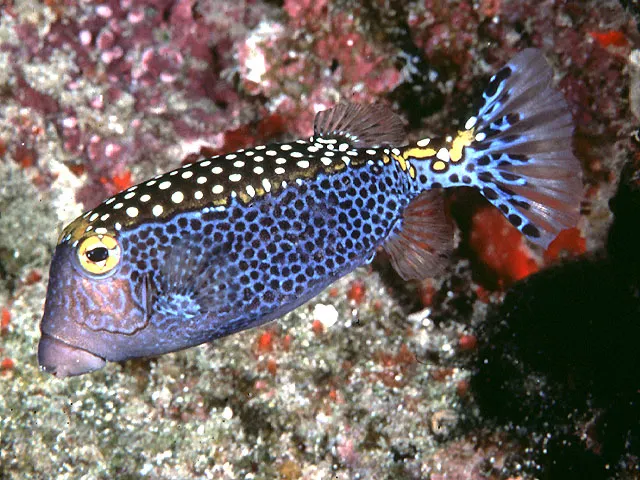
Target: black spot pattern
(248,264)
(496,80)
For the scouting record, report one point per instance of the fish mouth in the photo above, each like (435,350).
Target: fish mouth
(64,360)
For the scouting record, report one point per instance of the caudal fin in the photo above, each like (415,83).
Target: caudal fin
(522,150)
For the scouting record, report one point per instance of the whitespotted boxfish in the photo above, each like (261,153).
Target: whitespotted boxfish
(233,241)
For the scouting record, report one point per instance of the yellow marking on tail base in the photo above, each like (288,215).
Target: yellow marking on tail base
(417,152)
(401,160)
(463,139)
(439,166)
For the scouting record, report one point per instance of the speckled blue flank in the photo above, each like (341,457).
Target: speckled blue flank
(239,267)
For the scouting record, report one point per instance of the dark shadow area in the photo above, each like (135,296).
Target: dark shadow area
(559,364)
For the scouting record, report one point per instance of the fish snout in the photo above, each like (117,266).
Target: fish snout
(64,360)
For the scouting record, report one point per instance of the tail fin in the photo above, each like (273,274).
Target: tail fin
(522,151)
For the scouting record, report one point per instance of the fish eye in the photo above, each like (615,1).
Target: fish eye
(99,254)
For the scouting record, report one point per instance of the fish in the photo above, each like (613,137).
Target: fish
(233,241)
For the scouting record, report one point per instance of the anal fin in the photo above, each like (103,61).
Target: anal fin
(422,246)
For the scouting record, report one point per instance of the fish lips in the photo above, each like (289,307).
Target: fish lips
(64,360)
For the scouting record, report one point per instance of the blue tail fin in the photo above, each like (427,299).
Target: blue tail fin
(521,152)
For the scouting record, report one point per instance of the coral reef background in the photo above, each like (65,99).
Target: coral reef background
(515,363)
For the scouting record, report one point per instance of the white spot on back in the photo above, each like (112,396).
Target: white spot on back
(238,164)
(258,170)
(198,195)
(266,184)
(217,189)
(117,226)
(236,177)
(129,195)
(258,158)
(424,142)
(285,147)
(443,154)
(93,217)
(187,174)
(104,217)
(101,230)
(271,153)
(164,185)
(251,191)
(231,156)
(145,198)
(279,170)
(470,123)
(177,197)
(157,210)
(118,206)
(132,212)
(303,164)
(481,136)
(201,180)
(151,183)
(206,163)
(370,151)
(326,161)
(281,160)
(216,170)
(296,154)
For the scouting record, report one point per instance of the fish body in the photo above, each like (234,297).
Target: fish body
(233,241)
(233,264)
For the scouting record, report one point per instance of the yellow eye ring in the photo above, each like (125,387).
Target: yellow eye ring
(99,254)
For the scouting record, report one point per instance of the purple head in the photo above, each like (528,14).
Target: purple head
(93,313)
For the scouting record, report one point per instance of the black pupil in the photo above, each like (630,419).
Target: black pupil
(98,254)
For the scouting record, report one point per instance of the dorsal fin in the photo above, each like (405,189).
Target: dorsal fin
(421,248)
(361,126)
